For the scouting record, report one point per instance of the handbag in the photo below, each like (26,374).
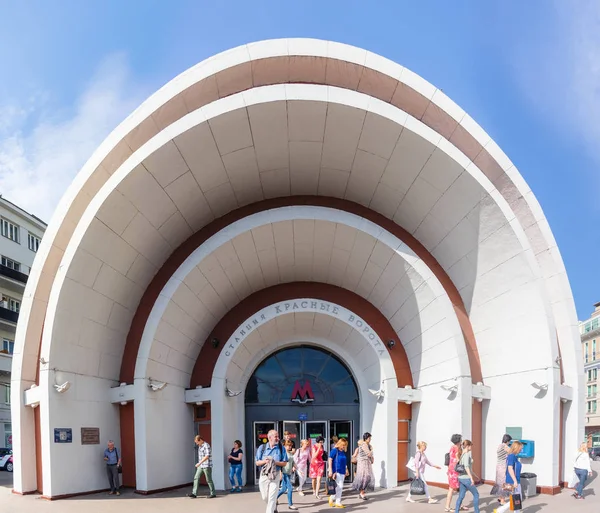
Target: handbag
(331,486)
(460,469)
(515,502)
(411,465)
(447,459)
(119,466)
(417,487)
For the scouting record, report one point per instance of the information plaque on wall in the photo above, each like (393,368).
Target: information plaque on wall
(63,435)
(90,436)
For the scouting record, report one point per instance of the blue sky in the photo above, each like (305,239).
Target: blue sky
(528,72)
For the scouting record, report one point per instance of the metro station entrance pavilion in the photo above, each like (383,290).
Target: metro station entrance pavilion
(301,235)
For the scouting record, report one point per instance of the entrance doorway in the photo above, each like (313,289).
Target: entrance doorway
(305,391)
(299,430)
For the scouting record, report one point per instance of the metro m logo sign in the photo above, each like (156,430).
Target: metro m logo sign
(302,394)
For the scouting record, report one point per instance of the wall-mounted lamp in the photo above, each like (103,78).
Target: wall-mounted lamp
(231,393)
(391,343)
(156,386)
(215,342)
(450,388)
(540,386)
(61,389)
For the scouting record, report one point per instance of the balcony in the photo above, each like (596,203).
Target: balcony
(13,275)
(8,315)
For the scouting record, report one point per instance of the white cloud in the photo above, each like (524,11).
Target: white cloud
(40,154)
(558,67)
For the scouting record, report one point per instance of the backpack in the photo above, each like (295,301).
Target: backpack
(263,447)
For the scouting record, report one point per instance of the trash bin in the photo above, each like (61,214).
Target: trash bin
(528,484)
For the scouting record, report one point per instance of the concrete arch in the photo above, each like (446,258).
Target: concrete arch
(429,313)
(89,350)
(371,367)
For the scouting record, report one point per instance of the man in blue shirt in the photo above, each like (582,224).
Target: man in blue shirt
(271,457)
(113,462)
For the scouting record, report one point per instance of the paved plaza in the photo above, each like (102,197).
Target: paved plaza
(385,501)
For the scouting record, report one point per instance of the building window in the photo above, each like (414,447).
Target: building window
(591,406)
(11,264)
(587,349)
(9,230)
(595,323)
(5,394)
(593,350)
(12,304)
(33,242)
(8,346)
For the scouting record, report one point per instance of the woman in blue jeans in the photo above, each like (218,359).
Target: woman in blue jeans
(235,466)
(583,470)
(466,480)
(286,474)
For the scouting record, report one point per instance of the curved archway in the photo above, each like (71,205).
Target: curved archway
(87,295)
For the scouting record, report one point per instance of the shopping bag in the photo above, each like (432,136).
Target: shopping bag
(417,487)
(331,486)
(515,502)
(573,481)
(411,464)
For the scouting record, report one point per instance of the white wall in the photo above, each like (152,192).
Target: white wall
(164,437)
(73,467)
(514,403)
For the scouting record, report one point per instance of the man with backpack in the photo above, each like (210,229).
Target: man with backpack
(271,457)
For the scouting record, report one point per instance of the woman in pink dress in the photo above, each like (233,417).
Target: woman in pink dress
(453,485)
(317,466)
(303,459)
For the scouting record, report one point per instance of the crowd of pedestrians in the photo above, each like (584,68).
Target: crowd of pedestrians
(279,462)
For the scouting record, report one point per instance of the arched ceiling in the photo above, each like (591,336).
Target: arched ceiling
(306,250)
(412,155)
(424,185)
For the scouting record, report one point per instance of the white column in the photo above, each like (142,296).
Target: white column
(23,433)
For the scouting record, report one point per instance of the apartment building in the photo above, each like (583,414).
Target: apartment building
(590,340)
(20,237)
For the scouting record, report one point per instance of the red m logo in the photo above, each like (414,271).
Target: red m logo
(302,394)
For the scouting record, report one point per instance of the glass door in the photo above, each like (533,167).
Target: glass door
(261,430)
(293,428)
(315,429)
(343,429)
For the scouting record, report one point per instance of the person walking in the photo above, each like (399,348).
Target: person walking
(271,457)
(113,462)
(235,466)
(364,479)
(453,459)
(338,470)
(302,457)
(513,474)
(421,462)
(204,466)
(317,465)
(466,478)
(288,436)
(286,474)
(499,489)
(583,470)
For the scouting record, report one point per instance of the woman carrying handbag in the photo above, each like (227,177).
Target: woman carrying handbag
(421,462)
(466,479)
(338,470)
(364,479)
(513,478)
